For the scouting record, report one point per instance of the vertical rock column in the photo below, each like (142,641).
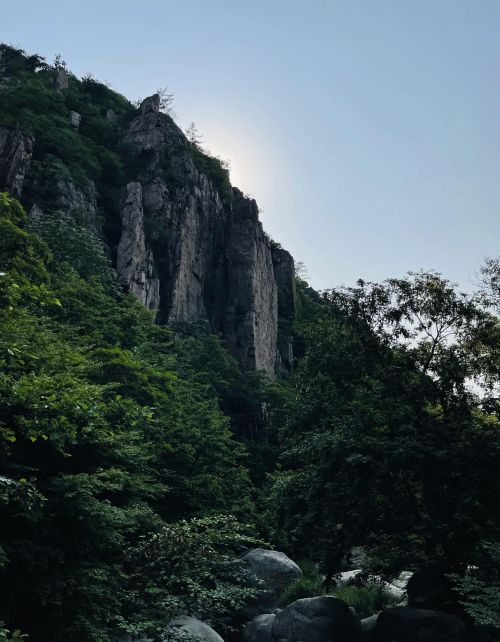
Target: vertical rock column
(135,264)
(16,149)
(251,319)
(284,275)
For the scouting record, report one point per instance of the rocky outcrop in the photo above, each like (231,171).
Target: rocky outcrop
(135,265)
(190,246)
(403,624)
(80,201)
(75,119)
(61,81)
(152,130)
(251,316)
(212,260)
(284,275)
(16,149)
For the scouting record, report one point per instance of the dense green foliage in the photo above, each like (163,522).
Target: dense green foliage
(479,587)
(173,571)
(391,436)
(309,584)
(367,599)
(133,456)
(106,436)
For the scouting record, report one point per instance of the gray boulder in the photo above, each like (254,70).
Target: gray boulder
(196,628)
(275,569)
(368,626)
(317,619)
(405,624)
(260,628)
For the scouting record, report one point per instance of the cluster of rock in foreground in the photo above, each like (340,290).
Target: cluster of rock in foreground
(324,618)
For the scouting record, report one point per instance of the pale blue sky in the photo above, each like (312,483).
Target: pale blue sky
(368,131)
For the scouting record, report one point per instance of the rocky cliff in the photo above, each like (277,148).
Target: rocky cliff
(185,242)
(194,253)
(16,149)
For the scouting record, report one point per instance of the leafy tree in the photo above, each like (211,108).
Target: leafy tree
(192,567)
(104,438)
(194,136)
(479,587)
(386,443)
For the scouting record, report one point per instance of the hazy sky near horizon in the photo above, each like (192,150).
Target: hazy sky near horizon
(367,131)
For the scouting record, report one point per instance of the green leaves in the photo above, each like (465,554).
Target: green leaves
(107,432)
(193,567)
(384,441)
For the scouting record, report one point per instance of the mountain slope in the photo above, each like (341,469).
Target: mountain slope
(185,242)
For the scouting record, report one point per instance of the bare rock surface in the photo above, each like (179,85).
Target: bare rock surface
(260,629)
(61,80)
(317,619)
(207,257)
(16,149)
(196,628)
(275,569)
(134,260)
(404,624)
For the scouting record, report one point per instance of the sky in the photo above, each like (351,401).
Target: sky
(367,131)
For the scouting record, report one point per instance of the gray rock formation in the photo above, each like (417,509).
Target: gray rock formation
(317,619)
(191,247)
(404,624)
(212,260)
(284,275)
(80,201)
(152,130)
(135,265)
(274,568)
(75,119)
(16,149)
(251,316)
(61,80)
(196,628)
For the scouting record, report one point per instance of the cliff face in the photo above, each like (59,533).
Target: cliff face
(251,315)
(135,264)
(208,257)
(187,244)
(16,149)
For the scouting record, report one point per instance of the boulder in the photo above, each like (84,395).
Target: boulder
(275,569)
(196,628)
(405,624)
(430,588)
(368,625)
(260,629)
(347,577)
(317,619)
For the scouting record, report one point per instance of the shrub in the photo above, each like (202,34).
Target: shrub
(309,585)
(366,600)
